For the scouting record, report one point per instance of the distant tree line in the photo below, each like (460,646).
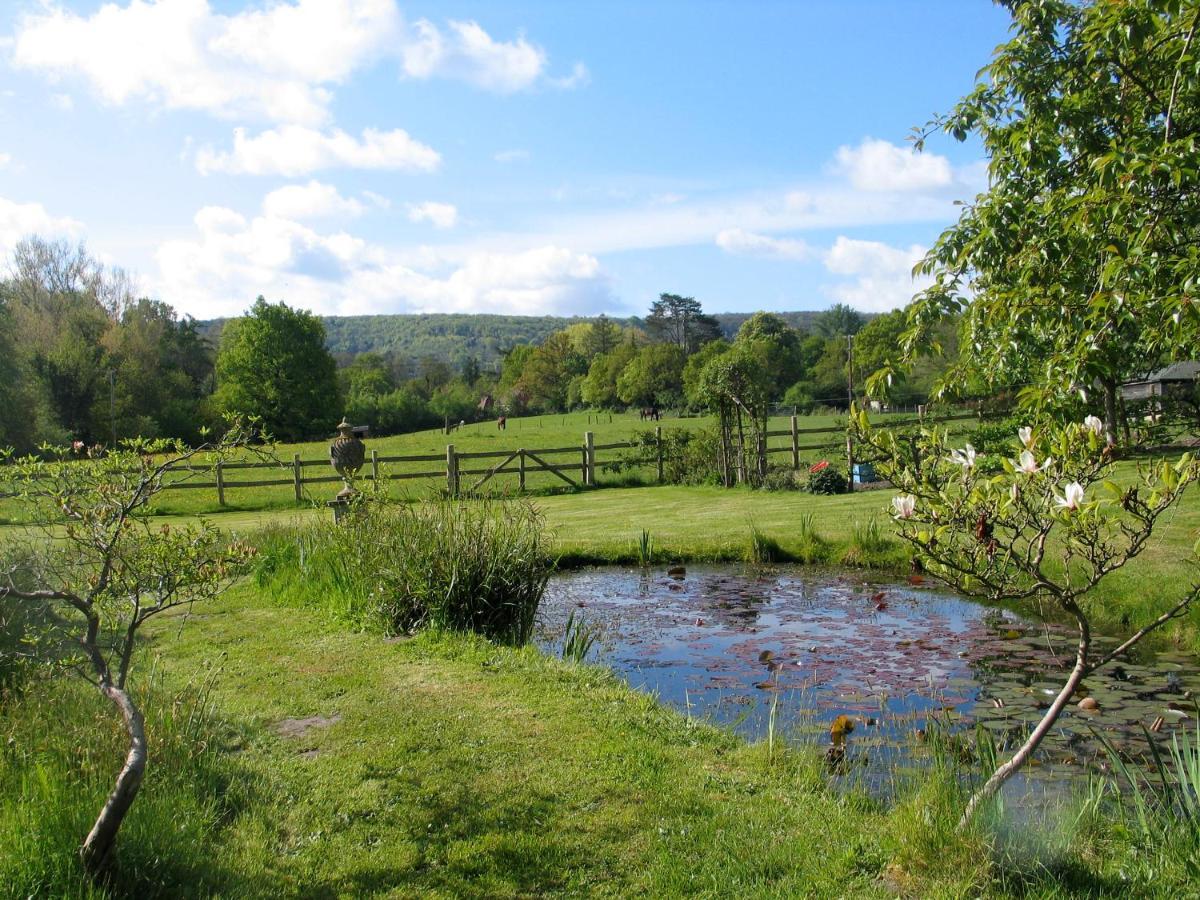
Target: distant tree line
(83,358)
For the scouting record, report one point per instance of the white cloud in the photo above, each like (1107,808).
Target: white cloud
(233,260)
(314,200)
(747,243)
(466,52)
(63,102)
(512,156)
(276,63)
(279,62)
(876,165)
(295,150)
(579,77)
(5,159)
(880,275)
(18,220)
(439,215)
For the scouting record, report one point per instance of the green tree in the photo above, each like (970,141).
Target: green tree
(96,569)
(599,388)
(693,369)
(1077,267)
(681,321)
(838,321)
(273,365)
(780,345)
(654,377)
(601,336)
(548,371)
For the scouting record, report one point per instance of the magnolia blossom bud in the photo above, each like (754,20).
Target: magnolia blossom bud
(904,504)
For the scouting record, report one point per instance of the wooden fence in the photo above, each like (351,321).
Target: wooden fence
(469,471)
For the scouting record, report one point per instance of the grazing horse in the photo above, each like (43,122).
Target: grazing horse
(502,423)
(650,412)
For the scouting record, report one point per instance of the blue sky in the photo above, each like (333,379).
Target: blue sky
(374,156)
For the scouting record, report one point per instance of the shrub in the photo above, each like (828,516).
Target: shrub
(478,565)
(827,481)
(689,457)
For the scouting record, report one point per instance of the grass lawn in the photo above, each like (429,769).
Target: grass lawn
(447,766)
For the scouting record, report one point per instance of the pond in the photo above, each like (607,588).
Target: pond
(898,660)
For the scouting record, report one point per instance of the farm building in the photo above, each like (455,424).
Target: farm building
(1177,379)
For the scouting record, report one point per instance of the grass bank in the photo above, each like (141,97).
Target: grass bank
(343,764)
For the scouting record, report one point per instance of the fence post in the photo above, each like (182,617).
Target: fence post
(521,469)
(658,446)
(589,456)
(220,485)
(451,471)
(375,466)
(297,481)
(795,445)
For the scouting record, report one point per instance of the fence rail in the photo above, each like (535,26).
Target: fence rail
(519,462)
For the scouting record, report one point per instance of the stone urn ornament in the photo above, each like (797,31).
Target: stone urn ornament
(347,454)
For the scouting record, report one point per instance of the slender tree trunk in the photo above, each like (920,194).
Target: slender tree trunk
(742,450)
(1111,422)
(99,843)
(992,786)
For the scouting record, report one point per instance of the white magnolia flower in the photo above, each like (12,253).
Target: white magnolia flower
(1094,424)
(964,457)
(1025,433)
(1071,498)
(904,505)
(1028,464)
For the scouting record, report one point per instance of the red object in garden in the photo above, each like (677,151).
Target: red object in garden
(823,464)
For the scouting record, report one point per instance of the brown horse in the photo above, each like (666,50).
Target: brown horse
(650,412)
(502,423)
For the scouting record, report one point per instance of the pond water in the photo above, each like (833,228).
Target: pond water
(899,661)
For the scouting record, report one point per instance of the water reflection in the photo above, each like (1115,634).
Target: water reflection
(718,643)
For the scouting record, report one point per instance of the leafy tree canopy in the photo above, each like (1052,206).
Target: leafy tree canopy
(1078,267)
(273,365)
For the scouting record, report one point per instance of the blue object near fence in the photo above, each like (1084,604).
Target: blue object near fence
(863,473)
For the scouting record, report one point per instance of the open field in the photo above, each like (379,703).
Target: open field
(820,437)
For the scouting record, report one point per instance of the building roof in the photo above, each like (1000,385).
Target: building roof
(1180,371)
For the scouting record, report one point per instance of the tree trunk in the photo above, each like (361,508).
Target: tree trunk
(99,843)
(992,786)
(1110,411)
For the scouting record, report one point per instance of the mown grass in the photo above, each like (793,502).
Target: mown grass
(533,433)
(448,766)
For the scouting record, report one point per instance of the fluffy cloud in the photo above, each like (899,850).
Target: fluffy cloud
(747,243)
(314,200)
(296,150)
(279,63)
(876,165)
(466,52)
(880,276)
(439,215)
(18,220)
(234,259)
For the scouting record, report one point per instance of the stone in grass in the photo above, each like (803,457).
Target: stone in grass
(1089,704)
(297,728)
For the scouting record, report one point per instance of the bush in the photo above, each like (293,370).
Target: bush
(689,457)
(476,566)
(827,481)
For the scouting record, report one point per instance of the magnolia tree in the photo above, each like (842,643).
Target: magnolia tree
(93,568)
(1049,522)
